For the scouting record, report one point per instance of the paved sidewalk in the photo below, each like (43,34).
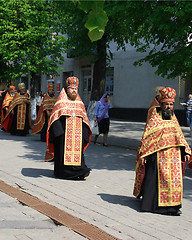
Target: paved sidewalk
(105,199)
(128,134)
(23,223)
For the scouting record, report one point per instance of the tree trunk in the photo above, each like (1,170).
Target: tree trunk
(32,85)
(99,70)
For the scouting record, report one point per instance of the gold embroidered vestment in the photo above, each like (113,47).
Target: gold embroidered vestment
(165,138)
(75,116)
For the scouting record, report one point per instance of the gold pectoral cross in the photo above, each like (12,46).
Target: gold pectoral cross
(73,114)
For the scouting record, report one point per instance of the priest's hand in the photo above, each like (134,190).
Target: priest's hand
(143,161)
(187,158)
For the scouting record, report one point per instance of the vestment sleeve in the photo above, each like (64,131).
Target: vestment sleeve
(58,127)
(85,134)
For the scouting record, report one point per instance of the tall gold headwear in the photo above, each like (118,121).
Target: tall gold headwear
(157,90)
(21,86)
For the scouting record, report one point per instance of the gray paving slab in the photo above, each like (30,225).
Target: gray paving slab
(23,223)
(105,199)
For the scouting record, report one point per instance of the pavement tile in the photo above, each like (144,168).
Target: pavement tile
(105,199)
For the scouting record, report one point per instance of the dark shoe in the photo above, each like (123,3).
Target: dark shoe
(83,176)
(178,213)
(105,145)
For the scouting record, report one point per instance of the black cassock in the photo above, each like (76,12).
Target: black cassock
(14,130)
(44,129)
(57,136)
(149,190)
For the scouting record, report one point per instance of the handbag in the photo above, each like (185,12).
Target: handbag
(95,129)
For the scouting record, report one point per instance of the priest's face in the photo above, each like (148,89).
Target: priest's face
(167,109)
(12,94)
(72,92)
(22,91)
(50,91)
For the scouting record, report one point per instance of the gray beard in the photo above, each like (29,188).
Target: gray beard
(167,114)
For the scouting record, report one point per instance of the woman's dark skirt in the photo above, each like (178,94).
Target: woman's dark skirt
(104,125)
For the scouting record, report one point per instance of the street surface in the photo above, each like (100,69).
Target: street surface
(104,199)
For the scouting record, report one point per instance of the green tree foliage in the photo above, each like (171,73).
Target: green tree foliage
(29,39)
(79,43)
(163,28)
(97,18)
(167,25)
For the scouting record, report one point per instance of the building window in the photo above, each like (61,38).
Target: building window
(109,80)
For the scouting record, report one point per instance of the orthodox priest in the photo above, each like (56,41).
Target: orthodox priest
(68,134)
(161,155)
(155,103)
(20,108)
(41,122)
(5,106)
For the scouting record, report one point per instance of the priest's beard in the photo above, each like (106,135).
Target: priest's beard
(167,113)
(72,96)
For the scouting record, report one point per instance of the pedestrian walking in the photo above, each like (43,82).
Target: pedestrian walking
(102,117)
(69,134)
(160,157)
(41,122)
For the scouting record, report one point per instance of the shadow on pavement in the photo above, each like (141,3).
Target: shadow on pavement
(36,173)
(131,202)
(110,158)
(31,142)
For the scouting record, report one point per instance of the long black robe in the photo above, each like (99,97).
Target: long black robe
(44,129)
(57,136)
(14,130)
(149,190)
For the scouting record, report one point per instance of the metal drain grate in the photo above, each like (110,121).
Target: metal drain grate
(76,224)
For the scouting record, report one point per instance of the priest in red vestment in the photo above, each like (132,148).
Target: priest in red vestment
(163,153)
(20,110)
(41,122)
(5,125)
(69,134)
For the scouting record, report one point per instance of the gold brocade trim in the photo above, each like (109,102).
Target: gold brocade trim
(73,141)
(40,119)
(170,182)
(158,135)
(47,105)
(21,111)
(70,112)
(70,101)
(7,101)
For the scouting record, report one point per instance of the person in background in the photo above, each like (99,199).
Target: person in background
(5,106)
(156,101)
(162,154)
(20,108)
(4,93)
(38,101)
(102,117)
(68,134)
(41,122)
(188,106)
